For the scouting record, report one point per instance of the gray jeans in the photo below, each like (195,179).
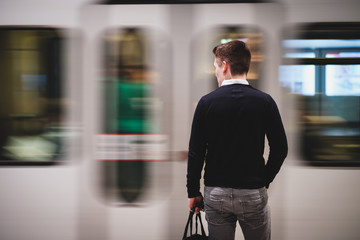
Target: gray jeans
(225,206)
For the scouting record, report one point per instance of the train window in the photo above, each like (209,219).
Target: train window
(342,80)
(300,55)
(328,89)
(292,77)
(30,96)
(204,79)
(133,143)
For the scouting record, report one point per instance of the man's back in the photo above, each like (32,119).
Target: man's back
(234,120)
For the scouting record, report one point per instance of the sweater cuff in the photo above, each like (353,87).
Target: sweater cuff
(194,194)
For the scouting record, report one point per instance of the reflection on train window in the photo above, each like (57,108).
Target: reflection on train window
(342,80)
(328,89)
(30,96)
(300,55)
(204,79)
(292,77)
(133,145)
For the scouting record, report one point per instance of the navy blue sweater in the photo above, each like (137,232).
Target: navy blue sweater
(228,134)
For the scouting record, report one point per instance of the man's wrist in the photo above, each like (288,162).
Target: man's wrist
(194,194)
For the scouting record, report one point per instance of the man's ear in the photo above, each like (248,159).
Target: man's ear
(226,67)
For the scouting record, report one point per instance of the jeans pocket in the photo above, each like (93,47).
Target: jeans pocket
(256,211)
(213,201)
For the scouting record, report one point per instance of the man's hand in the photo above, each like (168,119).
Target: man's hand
(197,203)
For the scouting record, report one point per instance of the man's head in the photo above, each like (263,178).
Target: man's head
(231,59)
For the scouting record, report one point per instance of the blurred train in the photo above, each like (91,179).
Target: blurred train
(97,99)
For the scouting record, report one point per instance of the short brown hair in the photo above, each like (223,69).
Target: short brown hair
(236,53)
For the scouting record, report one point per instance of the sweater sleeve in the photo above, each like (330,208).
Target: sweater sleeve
(276,136)
(196,154)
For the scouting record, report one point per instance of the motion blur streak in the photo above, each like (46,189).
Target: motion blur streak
(96,103)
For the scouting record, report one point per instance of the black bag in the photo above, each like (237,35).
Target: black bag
(195,236)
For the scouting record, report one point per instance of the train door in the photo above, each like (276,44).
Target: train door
(38,178)
(131,91)
(320,71)
(255,24)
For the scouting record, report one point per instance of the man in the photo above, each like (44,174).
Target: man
(228,133)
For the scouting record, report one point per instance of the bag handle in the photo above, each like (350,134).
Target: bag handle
(190,223)
(198,216)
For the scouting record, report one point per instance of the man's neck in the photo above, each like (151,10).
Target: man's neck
(240,76)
